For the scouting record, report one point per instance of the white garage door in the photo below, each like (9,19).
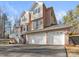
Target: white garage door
(56,38)
(37,38)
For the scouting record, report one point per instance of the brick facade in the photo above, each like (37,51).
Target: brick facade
(38,17)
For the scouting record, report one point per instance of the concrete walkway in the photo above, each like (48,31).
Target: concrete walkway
(32,51)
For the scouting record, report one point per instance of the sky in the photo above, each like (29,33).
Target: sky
(15,8)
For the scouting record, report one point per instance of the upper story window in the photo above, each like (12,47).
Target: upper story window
(37,24)
(24,19)
(37,10)
(25,28)
(34,25)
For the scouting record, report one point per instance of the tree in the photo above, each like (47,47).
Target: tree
(77,11)
(68,19)
(72,18)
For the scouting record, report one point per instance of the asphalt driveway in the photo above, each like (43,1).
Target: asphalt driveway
(26,51)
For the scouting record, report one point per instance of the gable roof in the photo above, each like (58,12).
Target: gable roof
(35,4)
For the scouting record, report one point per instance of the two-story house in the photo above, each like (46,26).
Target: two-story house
(16,31)
(25,23)
(39,26)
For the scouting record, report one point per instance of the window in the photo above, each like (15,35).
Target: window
(34,24)
(40,24)
(27,27)
(37,24)
(37,10)
(24,19)
(23,28)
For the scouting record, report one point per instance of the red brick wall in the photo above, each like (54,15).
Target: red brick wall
(30,22)
(49,17)
(44,15)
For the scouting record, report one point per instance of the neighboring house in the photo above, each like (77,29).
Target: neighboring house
(39,26)
(25,24)
(16,31)
(24,21)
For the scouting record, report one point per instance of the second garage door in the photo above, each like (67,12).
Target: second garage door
(56,38)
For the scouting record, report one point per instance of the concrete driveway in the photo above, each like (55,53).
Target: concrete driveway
(27,51)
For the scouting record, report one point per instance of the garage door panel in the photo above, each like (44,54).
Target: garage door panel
(37,38)
(59,39)
(55,38)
